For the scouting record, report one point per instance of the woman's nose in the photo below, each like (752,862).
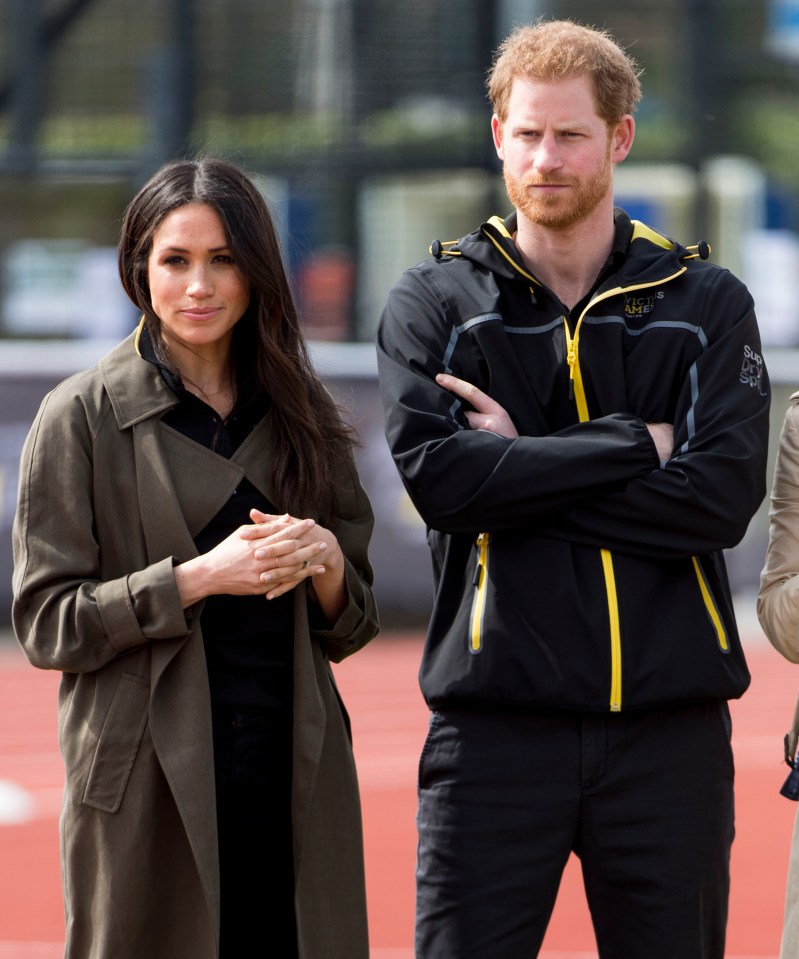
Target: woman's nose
(200,283)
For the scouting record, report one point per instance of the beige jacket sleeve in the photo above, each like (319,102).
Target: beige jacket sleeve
(778,600)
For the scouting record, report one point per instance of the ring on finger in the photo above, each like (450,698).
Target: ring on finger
(306,563)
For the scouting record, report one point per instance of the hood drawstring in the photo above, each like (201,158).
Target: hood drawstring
(701,250)
(438,248)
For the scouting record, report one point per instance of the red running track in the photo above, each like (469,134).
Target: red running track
(389,725)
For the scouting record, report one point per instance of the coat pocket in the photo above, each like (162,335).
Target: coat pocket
(118,744)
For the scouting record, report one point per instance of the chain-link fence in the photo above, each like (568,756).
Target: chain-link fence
(367,120)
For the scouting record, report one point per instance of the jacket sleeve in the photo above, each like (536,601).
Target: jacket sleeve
(778,600)
(703,497)
(462,480)
(353,529)
(65,615)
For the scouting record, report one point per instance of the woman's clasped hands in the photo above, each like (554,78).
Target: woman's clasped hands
(290,549)
(270,556)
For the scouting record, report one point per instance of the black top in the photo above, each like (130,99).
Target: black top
(248,639)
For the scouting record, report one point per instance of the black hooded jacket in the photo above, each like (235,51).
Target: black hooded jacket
(572,569)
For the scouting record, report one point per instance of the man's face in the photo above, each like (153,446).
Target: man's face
(558,152)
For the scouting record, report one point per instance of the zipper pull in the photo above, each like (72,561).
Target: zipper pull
(571,359)
(480,543)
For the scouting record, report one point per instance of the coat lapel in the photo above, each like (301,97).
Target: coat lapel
(180,708)
(255,455)
(203,480)
(309,726)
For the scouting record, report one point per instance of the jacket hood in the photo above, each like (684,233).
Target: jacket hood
(651,254)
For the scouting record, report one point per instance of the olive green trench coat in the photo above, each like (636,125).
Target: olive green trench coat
(110,500)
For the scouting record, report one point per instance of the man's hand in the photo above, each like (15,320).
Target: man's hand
(663,435)
(487,414)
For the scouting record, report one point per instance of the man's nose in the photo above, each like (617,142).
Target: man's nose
(547,155)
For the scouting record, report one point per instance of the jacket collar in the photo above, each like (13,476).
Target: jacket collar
(637,249)
(135,387)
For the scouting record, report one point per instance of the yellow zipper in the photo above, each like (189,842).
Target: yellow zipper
(480,583)
(715,618)
(577,391)
(615,631)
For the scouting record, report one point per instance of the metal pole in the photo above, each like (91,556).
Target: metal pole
(171,86)
(702,105)
(27,66)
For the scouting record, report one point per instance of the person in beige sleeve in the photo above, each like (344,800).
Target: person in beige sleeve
(778,611)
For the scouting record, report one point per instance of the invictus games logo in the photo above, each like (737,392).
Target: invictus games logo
(751,374)
(637,306)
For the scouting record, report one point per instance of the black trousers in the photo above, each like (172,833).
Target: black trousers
(644,799)
(253,761)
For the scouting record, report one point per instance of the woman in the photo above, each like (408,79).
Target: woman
(191,551)
(778,611)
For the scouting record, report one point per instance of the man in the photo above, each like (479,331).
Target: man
(578,409)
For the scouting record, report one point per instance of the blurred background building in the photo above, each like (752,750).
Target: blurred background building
(367,126)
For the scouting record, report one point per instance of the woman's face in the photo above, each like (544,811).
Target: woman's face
(196,289)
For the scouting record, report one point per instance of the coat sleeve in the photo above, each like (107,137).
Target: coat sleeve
(65,615)
(703,497)
(462,480)
(778,600)
(352,527)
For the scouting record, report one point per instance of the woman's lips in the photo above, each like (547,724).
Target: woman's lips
(203,314)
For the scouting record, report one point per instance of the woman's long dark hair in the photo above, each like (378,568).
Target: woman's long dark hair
(268,346)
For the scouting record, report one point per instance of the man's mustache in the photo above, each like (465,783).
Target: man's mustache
(545,181)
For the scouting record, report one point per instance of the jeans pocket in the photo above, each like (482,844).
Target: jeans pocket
(436,720)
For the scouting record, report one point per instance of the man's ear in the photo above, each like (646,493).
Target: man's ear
(497,133)
(621,138)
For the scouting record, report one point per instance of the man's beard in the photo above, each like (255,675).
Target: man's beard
(562,210)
